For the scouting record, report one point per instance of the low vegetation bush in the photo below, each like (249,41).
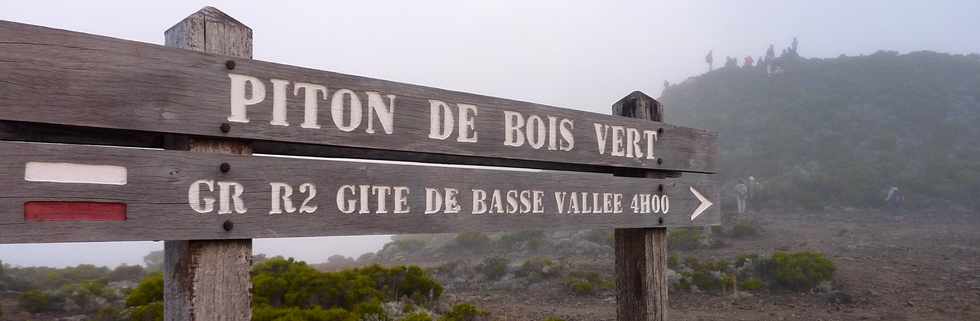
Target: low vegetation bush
(35,301)
(684,239)
(417,316)
(744,229)
(404,245)
(493,268)
(794,271)
(752,284)
(586,283)
(531,240)
(538,268)
(464,312)
(472,241)
(267,313)
(145,302)
(673,262)
(286,289)
(801,270)
(707,275)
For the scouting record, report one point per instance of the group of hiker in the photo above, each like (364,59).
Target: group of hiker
(746,190)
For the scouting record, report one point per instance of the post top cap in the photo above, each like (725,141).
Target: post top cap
(212,14)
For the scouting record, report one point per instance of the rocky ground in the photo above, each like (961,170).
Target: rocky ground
(890,266)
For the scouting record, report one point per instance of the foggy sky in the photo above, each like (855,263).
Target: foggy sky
(582,55)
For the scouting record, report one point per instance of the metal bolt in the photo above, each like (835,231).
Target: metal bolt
(660,220)
(225,167)
(660,131)
(660,161)
(228,225)
(660,188)
(225,127)
(230,64)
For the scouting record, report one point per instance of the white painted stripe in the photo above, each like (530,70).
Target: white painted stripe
(74,173)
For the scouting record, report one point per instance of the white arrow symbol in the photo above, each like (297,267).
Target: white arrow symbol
(705,203)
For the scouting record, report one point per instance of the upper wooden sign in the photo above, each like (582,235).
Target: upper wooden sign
(68,193)
(61,77)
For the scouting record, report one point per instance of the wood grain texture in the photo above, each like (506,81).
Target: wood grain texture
(158,209)
(641,283)
(136,86)
(208,279)
(641,253)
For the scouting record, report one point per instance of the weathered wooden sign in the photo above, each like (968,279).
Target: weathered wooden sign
(64,193)
(61,77)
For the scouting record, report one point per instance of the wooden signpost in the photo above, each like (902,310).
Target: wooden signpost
(206,111)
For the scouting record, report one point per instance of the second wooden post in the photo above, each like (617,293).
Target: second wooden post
(641,253)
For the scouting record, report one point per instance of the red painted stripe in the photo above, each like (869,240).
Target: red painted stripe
(74,211)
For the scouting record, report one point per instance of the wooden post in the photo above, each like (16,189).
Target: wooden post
(209,279)
(641,253)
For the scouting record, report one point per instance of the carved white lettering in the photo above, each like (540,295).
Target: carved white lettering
(238,100)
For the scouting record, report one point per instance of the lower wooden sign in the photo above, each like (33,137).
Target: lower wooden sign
(69,193)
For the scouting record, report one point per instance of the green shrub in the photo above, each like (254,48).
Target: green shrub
(684,239)
(405,245)
(533,240)
(464,312)
(148,291)
(801,270)
(580,286)
(371,311)
(707,275)
(538,268)
(586,283)
(148,312)
(493,268)
(417,316)
(89,296)
(145,302)
(127,273)
(107,314)
(35,301)
(472,241)
(751,284)
(267,313)
(673,262)
(281,282)
(744,229)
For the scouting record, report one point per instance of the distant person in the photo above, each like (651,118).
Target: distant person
(741,195)
(748,62)
(894,197)
(710,59)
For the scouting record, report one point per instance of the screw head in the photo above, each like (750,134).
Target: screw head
(227,225)
(230,64)
(660,220)
(660,131)
(225,167)
(660,188)
(660,161)
(225,127)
